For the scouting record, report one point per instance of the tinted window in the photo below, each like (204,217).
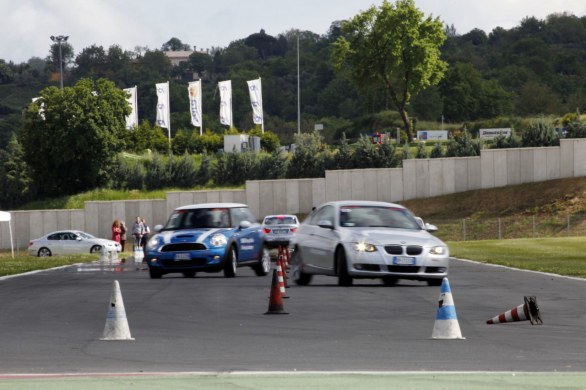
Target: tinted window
(199,219)
(280,220)
(240,214)
(326,213)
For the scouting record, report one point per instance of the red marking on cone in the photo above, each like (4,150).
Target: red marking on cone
(275,300)
(525,312)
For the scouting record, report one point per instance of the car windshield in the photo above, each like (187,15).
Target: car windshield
(84,235)
(199,219)
(377,216)
(280,220)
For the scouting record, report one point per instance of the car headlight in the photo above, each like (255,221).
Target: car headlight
(152,243)
(218,240)
(438,250)
(364,247)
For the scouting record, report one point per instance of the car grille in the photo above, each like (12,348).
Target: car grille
(411,250)
(405,269)
(184,263)
(183,247)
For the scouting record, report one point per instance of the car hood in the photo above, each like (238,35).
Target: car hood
(388,236)
(103,241)
(191,235)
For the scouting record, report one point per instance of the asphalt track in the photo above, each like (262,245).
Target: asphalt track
(211,332)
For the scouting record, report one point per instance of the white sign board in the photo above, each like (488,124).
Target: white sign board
(4,216)
(432,135)
(492,133)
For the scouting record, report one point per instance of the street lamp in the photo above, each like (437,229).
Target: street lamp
(60,39)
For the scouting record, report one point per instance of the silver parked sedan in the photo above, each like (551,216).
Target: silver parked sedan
(67,242)
(279,229)
(364,239)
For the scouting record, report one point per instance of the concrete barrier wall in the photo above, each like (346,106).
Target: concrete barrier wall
(419,178)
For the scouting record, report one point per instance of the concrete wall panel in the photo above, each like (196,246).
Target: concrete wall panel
(579,157)
(252,190)
(422,176)
(358,183)
(513,166)
(435,177)
(554,167)
(279,197)
(461,174)
(383,184)
(487,168)
(332,185)
(567,157)
(292,196)
(409,179)
(500,168)
(526,157)
(397,185)
(448,176)
(318,194)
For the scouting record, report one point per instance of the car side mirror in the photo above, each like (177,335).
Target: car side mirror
(158,228)
(430,228)
(326,224)
(244,224)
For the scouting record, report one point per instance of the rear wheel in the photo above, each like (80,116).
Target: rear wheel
(231,263)
(264,263)
(44,252)
(299,277)
(343,278)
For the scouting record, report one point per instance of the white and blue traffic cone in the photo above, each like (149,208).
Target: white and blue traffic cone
(446,322)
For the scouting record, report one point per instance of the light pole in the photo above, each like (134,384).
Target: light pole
(60,39)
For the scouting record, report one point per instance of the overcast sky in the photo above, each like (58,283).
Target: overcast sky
(26,25)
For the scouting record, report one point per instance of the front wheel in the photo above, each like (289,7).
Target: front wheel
(264,264)
(188,274)
(44,252)
(96,249)
(344,279)
(231,263)
(299,277)
(155,274)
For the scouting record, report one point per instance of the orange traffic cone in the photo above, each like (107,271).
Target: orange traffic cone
(527,311)
(281,278)
(275,300)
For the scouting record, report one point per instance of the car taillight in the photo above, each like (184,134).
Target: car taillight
(267,230)
(293,230)
(30,243)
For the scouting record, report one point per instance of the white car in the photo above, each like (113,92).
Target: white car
(67,242)
(279,229)
(364,239)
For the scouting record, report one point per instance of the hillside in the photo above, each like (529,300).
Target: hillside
(555,197)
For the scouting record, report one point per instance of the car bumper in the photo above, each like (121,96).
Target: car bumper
(200,261)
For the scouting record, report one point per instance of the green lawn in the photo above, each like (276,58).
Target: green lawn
(564,256)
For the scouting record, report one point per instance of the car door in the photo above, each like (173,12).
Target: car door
(67,244)
(319,242)
(249,239)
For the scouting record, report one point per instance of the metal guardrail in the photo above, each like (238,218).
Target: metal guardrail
(502,228)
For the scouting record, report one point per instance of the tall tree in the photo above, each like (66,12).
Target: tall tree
(14,178)
(395,46)
(71,137)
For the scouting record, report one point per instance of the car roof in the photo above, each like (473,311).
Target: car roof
(211,206)
(281,216)
(342,203)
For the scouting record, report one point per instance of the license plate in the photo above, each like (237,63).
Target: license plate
(403,260)
(280,231)
(182,256)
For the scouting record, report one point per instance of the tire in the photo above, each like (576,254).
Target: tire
(264,263)
(231,263)
(188,274)
(44,252)
(96,249)
(434,282)
(390,281)
(344,279)
(299,277)
(155,274)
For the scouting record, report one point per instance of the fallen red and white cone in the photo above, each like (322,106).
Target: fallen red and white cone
(529,311)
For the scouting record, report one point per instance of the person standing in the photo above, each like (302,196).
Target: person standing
(116,231)
(122,234)
(145,234)
(137,230)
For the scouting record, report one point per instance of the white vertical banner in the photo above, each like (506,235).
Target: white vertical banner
(255,89)
(194,91)
(132,119)
(41,107)
(225,102)
(163,110)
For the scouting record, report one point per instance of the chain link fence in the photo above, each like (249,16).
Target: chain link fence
(527,226)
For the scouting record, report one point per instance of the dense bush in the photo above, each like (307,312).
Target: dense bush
(540,133)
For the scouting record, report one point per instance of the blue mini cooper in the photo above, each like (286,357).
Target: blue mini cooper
(210,237)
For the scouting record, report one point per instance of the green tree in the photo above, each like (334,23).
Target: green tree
(71,144)
(396,47)
(14,177)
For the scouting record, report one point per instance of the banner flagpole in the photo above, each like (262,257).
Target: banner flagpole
(169,111)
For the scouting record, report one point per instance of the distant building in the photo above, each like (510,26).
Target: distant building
(178,57)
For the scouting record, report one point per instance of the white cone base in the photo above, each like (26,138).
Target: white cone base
(447,330)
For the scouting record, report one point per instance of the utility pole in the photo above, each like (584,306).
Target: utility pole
(60,39)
